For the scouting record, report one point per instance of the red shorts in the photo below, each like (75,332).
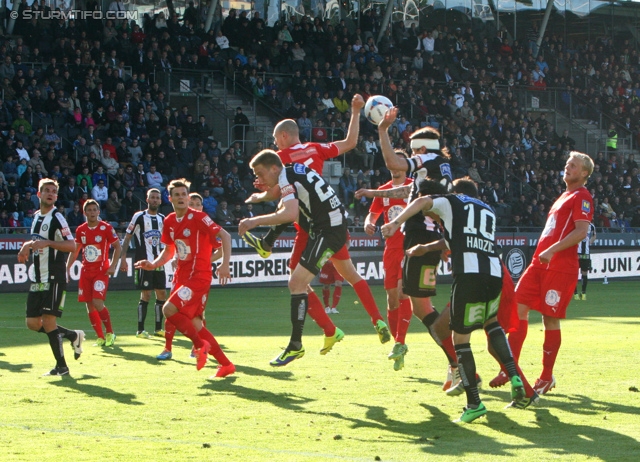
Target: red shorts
(508,308)
(92,286)
(546,291)
(329,274)
(392,261)
(300,244)
(190,298)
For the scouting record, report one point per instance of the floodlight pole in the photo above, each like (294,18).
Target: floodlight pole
(385,20)
(543,27)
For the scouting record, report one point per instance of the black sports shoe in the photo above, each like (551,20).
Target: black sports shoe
(58,371)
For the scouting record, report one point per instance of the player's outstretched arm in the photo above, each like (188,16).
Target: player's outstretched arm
(223,271)
(123,255)
(269,194)
(421,249)
(397,192)
(163,258)
(417,205)
(288,213)
(391,160)
(62,246)
(116,258)
(350,142)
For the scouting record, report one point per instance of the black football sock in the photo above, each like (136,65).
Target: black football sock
(299,305)
(274,232)
(159,305)
(55,341)
(142,314)
(67,333)
(467,369)
(585,281)
(498,341)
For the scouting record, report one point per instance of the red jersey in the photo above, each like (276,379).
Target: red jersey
(193,238)
(312,155)
(390,209)
(95,245)
(568,209)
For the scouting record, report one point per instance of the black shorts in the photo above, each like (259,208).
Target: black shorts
(49,300)
(474,299)
(419,273)
(585,263)
(149,280)
(321,246)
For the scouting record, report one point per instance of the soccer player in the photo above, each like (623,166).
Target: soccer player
(191,233)
(428,162)
(329,275)
(146,228)
(398,304)
(584,260)
(51,238)
(195,202)
(469,231)
(304,192)
(550,279)
(95,237)
(287,137)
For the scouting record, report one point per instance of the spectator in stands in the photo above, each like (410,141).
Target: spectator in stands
(224,217)
(209,203)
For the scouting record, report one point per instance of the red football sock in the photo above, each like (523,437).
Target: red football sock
(96,323)
(337,292)
(516,339)
(106,319)
(169,332)
(186,327)
(325,295)
(315,310)
(550,347)
(450,350)
(367,300)
(392,317)
(527,386)
(404,319)
(215,349)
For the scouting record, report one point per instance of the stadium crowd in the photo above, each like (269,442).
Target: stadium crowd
(81,103)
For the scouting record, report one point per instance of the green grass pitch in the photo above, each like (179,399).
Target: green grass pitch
(121,404)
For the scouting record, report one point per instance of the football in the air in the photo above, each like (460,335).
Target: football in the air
(376,107)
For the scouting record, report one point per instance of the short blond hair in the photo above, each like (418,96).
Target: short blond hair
(587,162)
(89,202)
(267,158)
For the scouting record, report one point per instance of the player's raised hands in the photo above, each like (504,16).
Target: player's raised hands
(389,118)
(357,103)
(360,193)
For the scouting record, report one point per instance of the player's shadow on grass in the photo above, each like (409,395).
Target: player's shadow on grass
(286,401)
(80,385)
(583,405)
(129,355)
(14,367)
(274,374)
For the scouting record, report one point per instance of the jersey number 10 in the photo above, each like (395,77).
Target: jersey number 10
(487,222)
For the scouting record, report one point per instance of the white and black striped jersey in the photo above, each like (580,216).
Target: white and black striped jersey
(431,166)
(146,230)
(584,248)
(317,200)
(49,265)
(469,230)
